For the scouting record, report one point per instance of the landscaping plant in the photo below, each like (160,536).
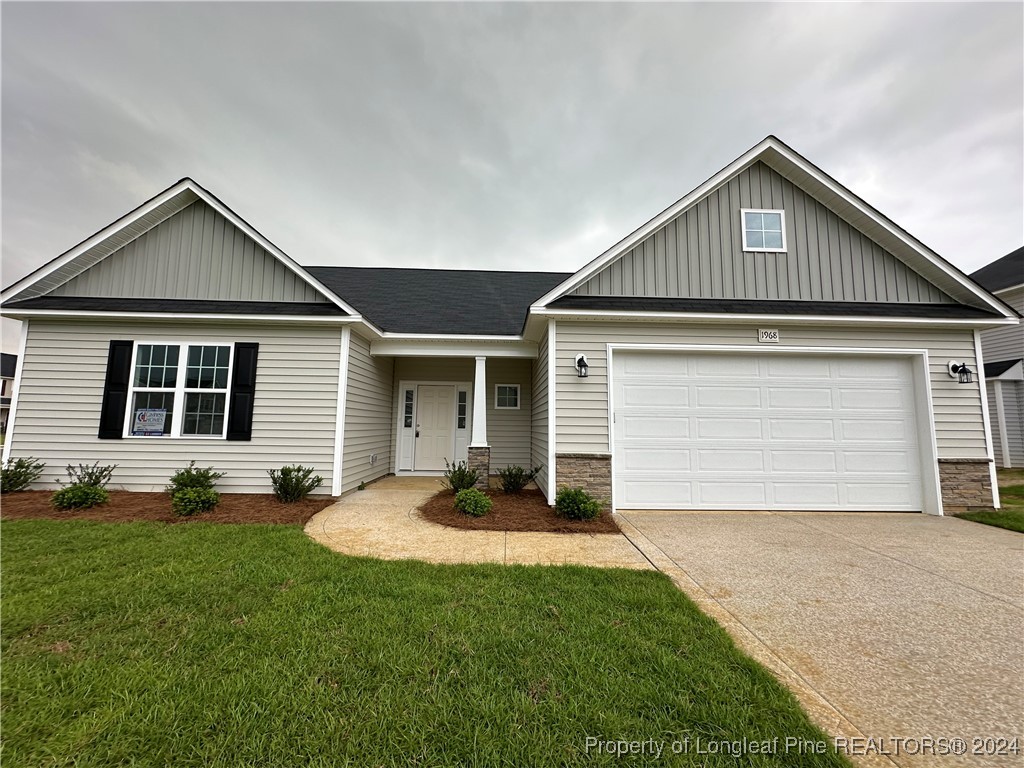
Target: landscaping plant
(19,474)
(514,478)
(576,504)
(90,474)
(193,477)
(458,476)
(472,502)
(192,501)
(80,496)
(294,482)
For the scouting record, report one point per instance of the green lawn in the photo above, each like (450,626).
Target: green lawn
(152,645)
(1011,495)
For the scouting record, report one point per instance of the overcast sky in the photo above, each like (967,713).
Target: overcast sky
(503,136)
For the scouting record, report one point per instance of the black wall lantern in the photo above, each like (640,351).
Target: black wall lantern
(961,372)
(582,367)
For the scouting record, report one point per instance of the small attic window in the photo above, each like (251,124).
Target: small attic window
(764,230)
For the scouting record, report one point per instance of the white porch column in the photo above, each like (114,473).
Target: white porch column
(479,436)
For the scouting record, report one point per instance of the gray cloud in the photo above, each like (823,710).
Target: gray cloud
(527,136)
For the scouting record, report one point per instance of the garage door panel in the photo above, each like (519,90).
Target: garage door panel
(873,430)
(719,460)
(871,368)
(638,427)
(653,495)
(805,495)
(728,397)
(872,399)
(719,366)
(726,495)
(875,495)
(666,458)
(798,368)
(880,462)
(803,461)
(801,429)
(722,428)
(804,399)
(647,395)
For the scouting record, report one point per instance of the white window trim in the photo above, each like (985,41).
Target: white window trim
(519,400)
(743,229)
(179,389)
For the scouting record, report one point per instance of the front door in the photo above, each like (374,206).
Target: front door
(435,416)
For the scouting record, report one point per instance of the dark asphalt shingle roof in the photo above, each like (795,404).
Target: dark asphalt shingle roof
(1002,273)
(115,304)
(746,306)
(998,369)
(8,365)
(449,301)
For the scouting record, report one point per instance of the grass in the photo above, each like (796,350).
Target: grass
(1011,496)
(147,644)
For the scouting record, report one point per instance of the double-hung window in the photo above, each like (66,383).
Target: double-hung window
(179,390)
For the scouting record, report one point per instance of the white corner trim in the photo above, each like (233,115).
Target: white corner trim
(552,409)
(15,393)
(931,440)
(339,427)
(983,394)
(1004,443)
(609,352)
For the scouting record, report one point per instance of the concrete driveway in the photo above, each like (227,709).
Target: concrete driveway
(886,626)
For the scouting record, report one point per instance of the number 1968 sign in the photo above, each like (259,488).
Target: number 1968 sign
(768,335)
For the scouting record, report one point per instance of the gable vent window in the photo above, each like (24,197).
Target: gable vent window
(764,230)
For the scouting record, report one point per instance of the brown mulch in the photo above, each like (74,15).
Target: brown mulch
(523,511)
(130,506)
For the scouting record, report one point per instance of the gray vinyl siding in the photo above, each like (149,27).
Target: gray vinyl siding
(195,254)
(1006,343)
(699,254)
(293,418)
(582,404)
(369,422)
(539,419)
(508,431)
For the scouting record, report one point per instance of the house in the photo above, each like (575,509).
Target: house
(1002,350)
(8,365)
(769,341)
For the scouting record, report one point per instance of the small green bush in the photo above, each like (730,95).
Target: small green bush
(293,483)
(472,502)
(458,476)
(19,474)
(514,478)
(576,504)
(192,501)
(90,474)
(193,477)
(80,496)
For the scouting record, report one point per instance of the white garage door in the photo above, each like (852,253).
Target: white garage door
(730,431)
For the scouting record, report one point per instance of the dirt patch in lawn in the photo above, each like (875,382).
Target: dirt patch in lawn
(523,511)
(129,506)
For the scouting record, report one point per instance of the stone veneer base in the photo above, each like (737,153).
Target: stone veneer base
(480,460)
(966,484)
(590,471)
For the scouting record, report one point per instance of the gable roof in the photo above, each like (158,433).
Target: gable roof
(1007,272)
(789,164)
(132,225)
(440,301)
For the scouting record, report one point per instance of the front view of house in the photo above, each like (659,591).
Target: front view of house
(768,342)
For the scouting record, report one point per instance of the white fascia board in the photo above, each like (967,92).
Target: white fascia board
(1001,291)
(461,347)
(68,256)
(707,317)
(25,314)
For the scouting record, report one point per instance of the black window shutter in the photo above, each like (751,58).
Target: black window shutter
(115,390)
(243,391)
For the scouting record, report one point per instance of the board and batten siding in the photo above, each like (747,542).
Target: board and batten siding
(582,404)
(293,416)
(699,254)
(369,416)
(194,254)
(539,419)
(1007,342)
(508,431)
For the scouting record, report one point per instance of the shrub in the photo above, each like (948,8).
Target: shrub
(514,478)
(293,483)
(576,504)
(80,496)
(90,474)
(458,476)
(192,501)
(193,477)
(470,501)
(19,474)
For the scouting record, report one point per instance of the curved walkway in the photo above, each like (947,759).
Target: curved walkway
(382,522)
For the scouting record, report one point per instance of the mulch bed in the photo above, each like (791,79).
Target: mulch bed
(129,506)
(523,511)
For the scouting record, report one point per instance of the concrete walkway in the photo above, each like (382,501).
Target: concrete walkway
(382,522)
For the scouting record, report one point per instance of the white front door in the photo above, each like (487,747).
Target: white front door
(435,420)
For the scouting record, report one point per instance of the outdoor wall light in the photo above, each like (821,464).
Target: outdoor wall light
(582,367)
(960,372)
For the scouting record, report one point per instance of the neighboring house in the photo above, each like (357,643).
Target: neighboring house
(8,365)
(770,341)
(1003,352)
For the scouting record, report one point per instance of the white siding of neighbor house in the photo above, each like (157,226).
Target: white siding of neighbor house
(293,417)
(194,254)
(369,425)
(1013,414)
(699,253)
(582,404)
(539,419)
(1007,342)
(508,431)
